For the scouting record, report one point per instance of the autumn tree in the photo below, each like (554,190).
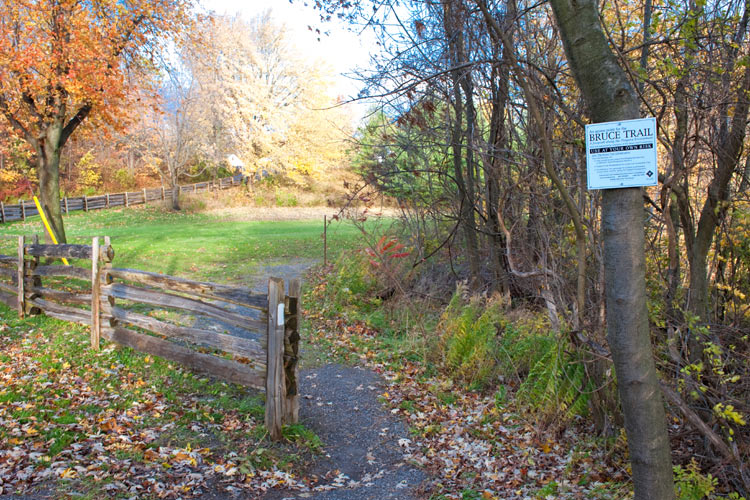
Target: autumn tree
(265,102)
(64,63)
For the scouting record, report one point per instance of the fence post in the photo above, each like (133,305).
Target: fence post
(85,203)
(2,212)
(291,354)
(106,203)
(66,205)
(34,281)
(144,196)
(325,241)
(162,193)
(108,280)
(96,327)
(23,210)
(21,292)
(127,202)
(275,360)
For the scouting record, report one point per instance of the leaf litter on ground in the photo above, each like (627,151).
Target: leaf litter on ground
(472,446)
(119,424)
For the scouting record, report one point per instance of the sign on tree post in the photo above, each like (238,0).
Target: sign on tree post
(621,154)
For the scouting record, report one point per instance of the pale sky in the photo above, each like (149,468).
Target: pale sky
(342,49)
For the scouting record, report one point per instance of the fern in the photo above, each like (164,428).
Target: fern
(556,384)
(468,341)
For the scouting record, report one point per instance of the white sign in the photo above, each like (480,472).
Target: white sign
(621,154)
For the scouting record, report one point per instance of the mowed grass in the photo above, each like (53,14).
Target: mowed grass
(86,424)
(196,245)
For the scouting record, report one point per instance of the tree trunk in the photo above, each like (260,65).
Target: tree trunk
(48,170)
(713,211)
(465,184)
(609,97)
(175,186)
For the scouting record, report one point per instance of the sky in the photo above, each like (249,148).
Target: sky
(343,50)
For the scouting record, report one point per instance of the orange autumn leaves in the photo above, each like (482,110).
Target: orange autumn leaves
(57,56)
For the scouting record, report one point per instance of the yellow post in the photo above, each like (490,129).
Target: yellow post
(46,225)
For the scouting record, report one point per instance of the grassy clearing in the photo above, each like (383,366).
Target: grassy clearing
(196,245)
(118,423)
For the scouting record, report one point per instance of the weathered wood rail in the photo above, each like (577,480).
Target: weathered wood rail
(234,334)
(27,208)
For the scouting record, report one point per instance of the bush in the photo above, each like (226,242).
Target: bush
(89,179)
(350,287)
(557,385)
(479,344)
(285,199)
(124,179)
(691,484)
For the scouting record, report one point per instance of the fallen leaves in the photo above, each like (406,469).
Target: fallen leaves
(98,422)
(472,447)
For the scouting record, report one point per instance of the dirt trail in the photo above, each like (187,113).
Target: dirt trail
(362,457)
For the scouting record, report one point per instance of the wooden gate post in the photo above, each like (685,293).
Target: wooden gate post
(291,354)
(21,292)
(66,205)
(96,327)
(275,388)
(144,196)
(2,212)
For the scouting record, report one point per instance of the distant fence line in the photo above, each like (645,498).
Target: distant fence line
(26,208)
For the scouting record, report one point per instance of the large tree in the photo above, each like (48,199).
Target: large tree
(610,97)
(64,62)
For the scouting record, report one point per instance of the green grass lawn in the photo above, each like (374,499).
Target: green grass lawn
(118,423)
(196,245)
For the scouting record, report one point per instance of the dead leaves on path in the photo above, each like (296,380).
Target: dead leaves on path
(474,447)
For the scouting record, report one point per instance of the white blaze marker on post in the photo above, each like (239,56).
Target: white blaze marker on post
(621,154)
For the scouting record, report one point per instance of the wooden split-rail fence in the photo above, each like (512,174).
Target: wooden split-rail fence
(229,332)
(27,208)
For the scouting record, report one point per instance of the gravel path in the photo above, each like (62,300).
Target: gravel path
(361,438)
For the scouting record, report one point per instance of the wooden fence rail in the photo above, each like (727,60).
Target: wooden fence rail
(27,208)
(235,334)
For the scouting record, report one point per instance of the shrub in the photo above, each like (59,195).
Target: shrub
(557,384)
(285,199)
(691,484)
(89,179)
(124,179)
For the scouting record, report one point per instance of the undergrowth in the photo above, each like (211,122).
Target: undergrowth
(475,347)
(475,341)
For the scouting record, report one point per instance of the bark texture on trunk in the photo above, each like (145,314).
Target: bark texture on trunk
(48,169)
(610,97)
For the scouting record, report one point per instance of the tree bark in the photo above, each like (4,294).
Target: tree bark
(173,179)
(48,169)
(610,97)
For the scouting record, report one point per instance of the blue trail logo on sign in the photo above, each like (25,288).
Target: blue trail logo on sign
(621,154)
